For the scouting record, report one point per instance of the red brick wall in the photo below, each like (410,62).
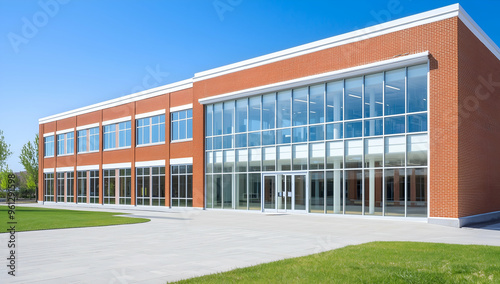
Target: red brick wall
(479,126)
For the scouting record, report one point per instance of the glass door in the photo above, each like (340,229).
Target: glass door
(284,192)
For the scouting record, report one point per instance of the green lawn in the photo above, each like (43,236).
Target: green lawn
(377,262)
(36,218)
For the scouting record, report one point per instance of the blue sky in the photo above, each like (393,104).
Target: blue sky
(58,55)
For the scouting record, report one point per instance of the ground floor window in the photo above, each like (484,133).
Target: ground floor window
(70,186)
(182,185)
(150,186)
(116,186)
(82,187)
(49,187)
(94,187)
(60,187)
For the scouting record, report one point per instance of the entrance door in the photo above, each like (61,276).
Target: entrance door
(284,192)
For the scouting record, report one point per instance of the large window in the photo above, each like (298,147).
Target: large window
(60,187)
(82,187)
(65,143)
(94,187)
(48,143)
(362,142)
(109,187)
(151,130)
(125,185)
(182,125)
(88,140)
(70,186)
(117,135)
(182,185)
(48,186)
(150,186)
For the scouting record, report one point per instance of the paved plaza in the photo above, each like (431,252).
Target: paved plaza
(182,244)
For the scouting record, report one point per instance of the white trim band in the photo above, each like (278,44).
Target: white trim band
(181,161)
(393,63)
(65,131)
(160,163)
(170,88)
(87,168)
(83,127)
(149,114)
(116,166)
(183,107)
(65,169)
(48,171)
(118,120)
(48,134)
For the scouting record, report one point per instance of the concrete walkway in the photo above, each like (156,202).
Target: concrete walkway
(182,244)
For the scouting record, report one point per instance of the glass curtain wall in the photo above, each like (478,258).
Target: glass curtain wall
(363,142)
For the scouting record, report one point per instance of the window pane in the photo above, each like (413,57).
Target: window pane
(269,161)
(209,162)
(334,131)
(241,191)
(334,101)
(217,191)
(241,115)
(240,140)
(208,198)
(373,192)
(182,129)
(373,95)
(255,158)
(217,126)
(284,109)
(317,104)
(353,153)
(353,191)
(395,192)
(268,112)
(254,188)
(395,150)
(284,158)
(217,162)
(60,144)
(395,92)
(227,192)
(299,107)
(353,129)
(254,113)
(417,150)
(417,122)
(227,141)
(395,125)
(228,161)
(334,155)
(208,120)
(374,152)
(416,185)
(241,160)
(316,133)
(189,129)
(334,186)
(417,88)
(254,139)
(284,136)
(268,138)
(299,134)
(228,117)
(374,127)
(317,156)
(300,157)
(353,92)
(317,190)
(217,143)
(155,132)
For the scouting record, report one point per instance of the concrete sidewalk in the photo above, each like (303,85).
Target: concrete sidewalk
(180,244)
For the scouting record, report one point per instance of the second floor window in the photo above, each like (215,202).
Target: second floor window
(182,125)
(117,135)
(48,146)
(65,143)
(151,130)
(88,140)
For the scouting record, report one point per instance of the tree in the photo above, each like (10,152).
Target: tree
(4,151)
(4,181)
(29,159)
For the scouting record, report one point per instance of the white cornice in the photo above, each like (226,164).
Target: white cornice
(379,66)
(177,86)
(358,35)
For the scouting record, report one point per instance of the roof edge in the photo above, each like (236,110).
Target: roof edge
(169,88)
